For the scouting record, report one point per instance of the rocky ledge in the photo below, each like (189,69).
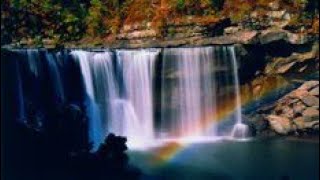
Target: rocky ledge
(296,114)
(243,37)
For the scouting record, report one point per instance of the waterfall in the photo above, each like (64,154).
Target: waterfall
(195,81)
(39,85)
(105,89)
(236,85)
(120,91)
(192,98)
(240,130)
(95,126)
(145,95)
(138,69)
(20,95)
(55,77)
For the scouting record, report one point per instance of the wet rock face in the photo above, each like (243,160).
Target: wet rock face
(296,113)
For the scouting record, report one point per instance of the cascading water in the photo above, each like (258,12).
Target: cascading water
(191,100)
(55,76)
(142,95)
(106,90)
(240,130)
(138,72)
(20,98)
(194,83)
(95,126)
(121,91)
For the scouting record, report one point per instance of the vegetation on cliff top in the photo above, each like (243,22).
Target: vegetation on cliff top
(62,21)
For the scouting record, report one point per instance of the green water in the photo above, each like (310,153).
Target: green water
(257,159)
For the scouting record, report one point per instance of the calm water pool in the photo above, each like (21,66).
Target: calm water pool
(256,159)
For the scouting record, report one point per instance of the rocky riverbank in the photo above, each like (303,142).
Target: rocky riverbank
(296,114)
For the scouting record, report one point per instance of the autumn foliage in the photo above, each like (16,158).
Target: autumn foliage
(63,21)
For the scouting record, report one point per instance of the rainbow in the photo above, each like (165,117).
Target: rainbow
(258,89)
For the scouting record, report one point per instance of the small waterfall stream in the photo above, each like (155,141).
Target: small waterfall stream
(144,95)
(240,130)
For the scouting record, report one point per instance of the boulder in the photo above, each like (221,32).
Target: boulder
(315,92)
(297,39)
(258,121)
(280,125)
(313,125)
(311,101)
(293,101)
(298,108)
(296,62)
(246,37)
(285,68)
(296,112)
(269,36)
(311,114)
(309,85)
(298,94)
(302,124)
(232,30)
(287,112)
(242,37)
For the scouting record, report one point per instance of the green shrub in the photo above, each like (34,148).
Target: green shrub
(181,5)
